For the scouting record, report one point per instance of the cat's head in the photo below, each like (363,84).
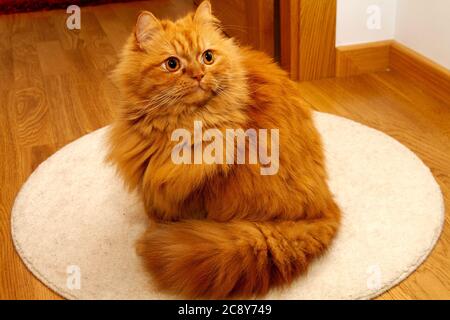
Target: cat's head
(168,67)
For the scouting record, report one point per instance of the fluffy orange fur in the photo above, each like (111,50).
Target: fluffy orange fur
(218,230)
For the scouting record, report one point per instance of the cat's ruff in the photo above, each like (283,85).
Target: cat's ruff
(74,216)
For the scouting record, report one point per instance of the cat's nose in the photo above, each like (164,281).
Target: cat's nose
(198,75)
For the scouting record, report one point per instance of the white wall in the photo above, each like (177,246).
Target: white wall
(424,26)
(353,17)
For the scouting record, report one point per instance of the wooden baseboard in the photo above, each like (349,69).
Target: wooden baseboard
(362,58)
(379,56)
(420,69)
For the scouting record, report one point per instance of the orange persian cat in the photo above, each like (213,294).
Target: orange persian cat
(218,230)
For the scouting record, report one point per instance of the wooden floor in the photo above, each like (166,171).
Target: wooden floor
(54,88)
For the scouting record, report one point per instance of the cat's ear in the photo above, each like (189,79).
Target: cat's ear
(204,13)
(147,26)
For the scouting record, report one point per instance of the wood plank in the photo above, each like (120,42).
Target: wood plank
(308,36)
(421,69)
(52,58)
(362,58)
(117,33)
(16,282)
(317,39)
(26,66)
(289,32)
(250,21)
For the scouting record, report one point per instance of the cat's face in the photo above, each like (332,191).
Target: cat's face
(184,62)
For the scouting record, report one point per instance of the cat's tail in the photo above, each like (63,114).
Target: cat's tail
(207,259)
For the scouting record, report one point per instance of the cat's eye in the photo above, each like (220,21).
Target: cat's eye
(172,64)
(208,57)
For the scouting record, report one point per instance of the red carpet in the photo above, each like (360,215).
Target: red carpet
(12,6)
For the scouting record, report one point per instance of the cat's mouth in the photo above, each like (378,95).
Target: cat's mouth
(202,86)
(198,93)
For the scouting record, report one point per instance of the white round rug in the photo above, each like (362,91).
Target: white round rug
(75,226)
